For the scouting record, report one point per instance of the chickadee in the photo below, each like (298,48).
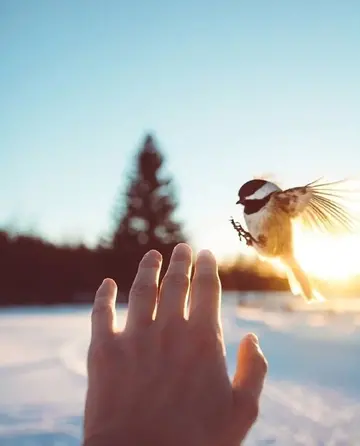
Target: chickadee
(269,213)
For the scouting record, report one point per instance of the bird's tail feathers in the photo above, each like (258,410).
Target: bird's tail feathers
(300,283)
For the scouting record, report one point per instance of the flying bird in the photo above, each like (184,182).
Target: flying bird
(270,212)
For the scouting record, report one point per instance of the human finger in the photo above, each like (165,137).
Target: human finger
(205,290)
(250,372)
(175,284)
(144,290)
(103,319)
(248,384)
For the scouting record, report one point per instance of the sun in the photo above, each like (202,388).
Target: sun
(320,255)
(324,256)
(327,257)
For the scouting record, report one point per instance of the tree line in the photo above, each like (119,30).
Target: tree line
(35,271)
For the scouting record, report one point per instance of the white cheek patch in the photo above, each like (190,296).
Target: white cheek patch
(263,192)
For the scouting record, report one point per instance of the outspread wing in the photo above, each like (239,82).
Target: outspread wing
(321,206)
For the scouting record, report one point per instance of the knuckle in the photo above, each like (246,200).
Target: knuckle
(143,286)
(251,406)
(207,277)
(170,336)
(101,351)
(100,310)
(203,340)
(253,410)
(262,364)
(177,278)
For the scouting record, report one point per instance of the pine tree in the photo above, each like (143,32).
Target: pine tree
(146,220)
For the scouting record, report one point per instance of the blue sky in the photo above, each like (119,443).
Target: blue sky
(230,89)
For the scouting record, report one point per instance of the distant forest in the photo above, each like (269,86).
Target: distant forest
(34,271)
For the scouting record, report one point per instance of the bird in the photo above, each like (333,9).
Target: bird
(270,212)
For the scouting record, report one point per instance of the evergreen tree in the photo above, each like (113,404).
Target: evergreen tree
(146,219)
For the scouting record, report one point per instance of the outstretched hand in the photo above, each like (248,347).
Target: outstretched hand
(162,380)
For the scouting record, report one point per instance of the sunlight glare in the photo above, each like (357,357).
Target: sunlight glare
(327,257)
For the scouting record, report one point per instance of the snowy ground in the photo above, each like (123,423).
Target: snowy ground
(311,397)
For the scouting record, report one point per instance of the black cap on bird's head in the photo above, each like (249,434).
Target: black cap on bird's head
(256,190)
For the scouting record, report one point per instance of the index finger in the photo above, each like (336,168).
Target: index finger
(205,290)
(103,313)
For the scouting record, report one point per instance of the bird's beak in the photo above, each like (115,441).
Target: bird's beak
(238,202)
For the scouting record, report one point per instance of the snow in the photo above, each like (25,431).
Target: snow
(311,396)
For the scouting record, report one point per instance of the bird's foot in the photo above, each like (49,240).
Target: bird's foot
(249,239)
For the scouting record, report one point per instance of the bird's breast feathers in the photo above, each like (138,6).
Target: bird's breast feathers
(272,227)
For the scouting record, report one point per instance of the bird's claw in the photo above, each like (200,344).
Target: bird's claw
(249,239)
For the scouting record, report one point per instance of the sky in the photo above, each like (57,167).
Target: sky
(229,89)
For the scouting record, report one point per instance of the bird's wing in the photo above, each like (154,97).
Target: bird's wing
(321,206)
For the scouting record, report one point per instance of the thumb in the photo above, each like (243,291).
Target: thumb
(249,377)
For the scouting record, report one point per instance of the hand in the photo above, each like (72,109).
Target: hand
(162,380)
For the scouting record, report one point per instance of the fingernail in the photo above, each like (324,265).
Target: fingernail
(102,283)
(101,289)
(206,261)
(206,254)
(107,284)
(253,338)
(182,248)
(151,259)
